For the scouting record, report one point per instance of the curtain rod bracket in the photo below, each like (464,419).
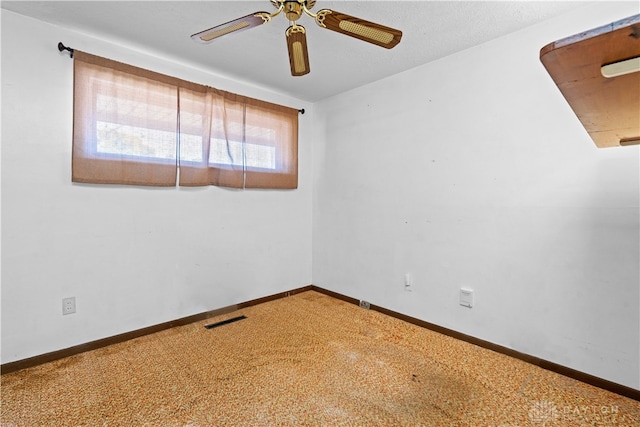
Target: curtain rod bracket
(62,47)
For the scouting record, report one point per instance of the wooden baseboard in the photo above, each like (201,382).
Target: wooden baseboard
(545,364)
(93,345)
(550,366)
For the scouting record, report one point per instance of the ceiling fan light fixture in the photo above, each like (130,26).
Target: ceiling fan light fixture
(292,10)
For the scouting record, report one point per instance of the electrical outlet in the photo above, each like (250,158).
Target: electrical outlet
(365,304)
(68,305)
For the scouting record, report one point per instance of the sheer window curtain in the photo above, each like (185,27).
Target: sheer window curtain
(137,127)
(276,128)
(245,143)
(211,139)
(124,124)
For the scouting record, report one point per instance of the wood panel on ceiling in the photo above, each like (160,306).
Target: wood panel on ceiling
(608,108)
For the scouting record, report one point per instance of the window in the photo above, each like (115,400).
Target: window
(133,126)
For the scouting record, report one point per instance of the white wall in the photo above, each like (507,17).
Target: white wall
(131,256)
(472,171)
(469,171)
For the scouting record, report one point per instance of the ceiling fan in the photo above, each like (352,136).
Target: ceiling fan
(296,34)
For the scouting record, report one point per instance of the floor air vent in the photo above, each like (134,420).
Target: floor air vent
(225,322)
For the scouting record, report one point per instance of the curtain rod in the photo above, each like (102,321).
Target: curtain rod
(62,47)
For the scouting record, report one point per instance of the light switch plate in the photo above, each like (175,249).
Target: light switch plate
(466,297)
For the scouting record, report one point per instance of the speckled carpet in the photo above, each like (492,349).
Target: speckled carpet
(308,359)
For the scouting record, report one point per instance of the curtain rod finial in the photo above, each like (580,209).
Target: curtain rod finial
(62,47)
(301,111)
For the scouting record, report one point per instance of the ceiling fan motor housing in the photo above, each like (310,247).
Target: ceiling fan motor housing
(304,3)
(292,10)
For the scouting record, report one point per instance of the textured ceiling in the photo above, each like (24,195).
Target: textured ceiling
(431,30)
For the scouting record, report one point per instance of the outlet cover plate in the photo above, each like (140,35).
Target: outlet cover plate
(365,304)
(68,305)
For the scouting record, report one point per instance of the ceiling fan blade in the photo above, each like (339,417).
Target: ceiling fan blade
(234,26)
(359,28)
(297,46)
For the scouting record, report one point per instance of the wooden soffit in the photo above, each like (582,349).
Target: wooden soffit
(609,108)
